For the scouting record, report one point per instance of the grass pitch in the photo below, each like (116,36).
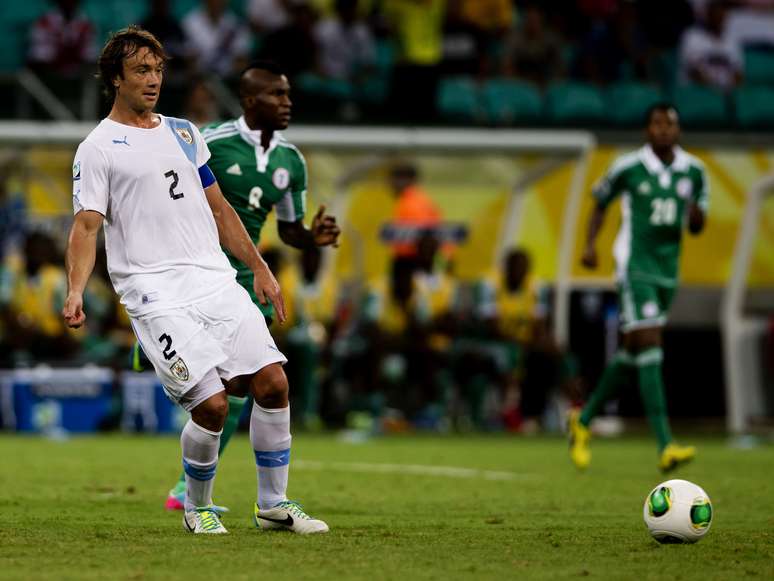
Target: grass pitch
(470,507)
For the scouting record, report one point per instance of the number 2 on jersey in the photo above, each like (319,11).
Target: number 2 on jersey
(664,211)
(175,179)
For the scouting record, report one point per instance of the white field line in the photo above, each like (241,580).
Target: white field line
(418,469)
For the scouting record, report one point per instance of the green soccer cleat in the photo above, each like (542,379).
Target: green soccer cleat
(674,455)
(203,520)
(288,515)
(579,441)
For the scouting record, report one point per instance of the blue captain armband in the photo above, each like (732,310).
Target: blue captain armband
(206,175)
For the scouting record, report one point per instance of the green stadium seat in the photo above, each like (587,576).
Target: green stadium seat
(627,103)
(509,101)
(700,106)
(575,103)
(755,107)
(759,67)
(457,99)
(331,88)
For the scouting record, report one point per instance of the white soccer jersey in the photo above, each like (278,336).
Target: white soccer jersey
(160,235)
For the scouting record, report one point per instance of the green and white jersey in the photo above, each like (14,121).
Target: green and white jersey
(255,180)
(654,202)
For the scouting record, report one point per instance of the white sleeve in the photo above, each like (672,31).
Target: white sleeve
(91,179)
(202,151)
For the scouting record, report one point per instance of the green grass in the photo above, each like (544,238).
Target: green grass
(90,508)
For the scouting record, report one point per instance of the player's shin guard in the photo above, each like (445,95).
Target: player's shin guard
(270,437)
(652,391)
(616,375)
(200,460)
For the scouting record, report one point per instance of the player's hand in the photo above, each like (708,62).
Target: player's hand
(73,310)
(324,229)
(267,289)
(589,258)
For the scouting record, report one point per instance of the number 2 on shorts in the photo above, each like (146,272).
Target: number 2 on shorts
(168,340)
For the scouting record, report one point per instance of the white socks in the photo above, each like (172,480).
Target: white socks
(200,459)
(270,437)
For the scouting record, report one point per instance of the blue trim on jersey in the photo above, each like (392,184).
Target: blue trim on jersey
(206,175)
(200,472)
(178,126)
(272,459)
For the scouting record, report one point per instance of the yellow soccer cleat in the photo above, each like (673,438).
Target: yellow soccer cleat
(579,441)
(675,455)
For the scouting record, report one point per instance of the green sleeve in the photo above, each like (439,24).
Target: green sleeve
(701,188)
(610,186)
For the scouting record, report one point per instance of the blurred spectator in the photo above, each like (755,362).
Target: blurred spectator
(31,321)
(62,40)
(165,27)
(13,213)
(599,56)
(201,107)
(532,50)
(515,305)
(219,43)
(708,56)
(268,16)
(487,21)
(345,44)
(417,27)
(293,46)
(414,209)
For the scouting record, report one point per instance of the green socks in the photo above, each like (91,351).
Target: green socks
(652,392)
(235,407)
(616,374)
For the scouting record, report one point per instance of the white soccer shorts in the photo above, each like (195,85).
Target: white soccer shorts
(226,332)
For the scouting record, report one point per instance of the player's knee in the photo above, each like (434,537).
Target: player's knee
(211,413)
(270,387)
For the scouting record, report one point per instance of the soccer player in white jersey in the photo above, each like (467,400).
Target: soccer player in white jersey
(145,178)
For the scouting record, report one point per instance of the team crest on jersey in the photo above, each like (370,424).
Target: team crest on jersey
(684,187)
(650,310)
(185,135)
(644,188)
(280,178)
(77,171)
(179,369)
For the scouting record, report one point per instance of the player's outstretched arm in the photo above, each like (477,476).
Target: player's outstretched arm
(324,231)
(596,219)
(234,238)
(79,261)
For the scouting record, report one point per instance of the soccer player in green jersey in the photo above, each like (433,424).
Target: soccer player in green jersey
(662,189)
(259,170)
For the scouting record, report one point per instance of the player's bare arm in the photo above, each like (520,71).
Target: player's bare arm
(596,219)
(234,238)
(323,232)
(696,219)
(80,256)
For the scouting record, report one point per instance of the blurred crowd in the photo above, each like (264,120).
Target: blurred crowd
(412,348)
(387,58)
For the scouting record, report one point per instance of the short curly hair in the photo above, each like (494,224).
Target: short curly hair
(122,45)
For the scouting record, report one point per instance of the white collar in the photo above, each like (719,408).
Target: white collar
(655,166)
(253,137)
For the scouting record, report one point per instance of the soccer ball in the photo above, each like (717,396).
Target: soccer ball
(677,511)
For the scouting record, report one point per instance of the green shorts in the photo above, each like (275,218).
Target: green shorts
(643,304)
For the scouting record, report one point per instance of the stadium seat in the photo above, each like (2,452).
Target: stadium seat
(700,106)
(759,67)
(575,103)
(755,107)
(509,101)
(627,103)
(457,99)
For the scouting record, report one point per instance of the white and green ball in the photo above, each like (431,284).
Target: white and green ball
(677,511)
